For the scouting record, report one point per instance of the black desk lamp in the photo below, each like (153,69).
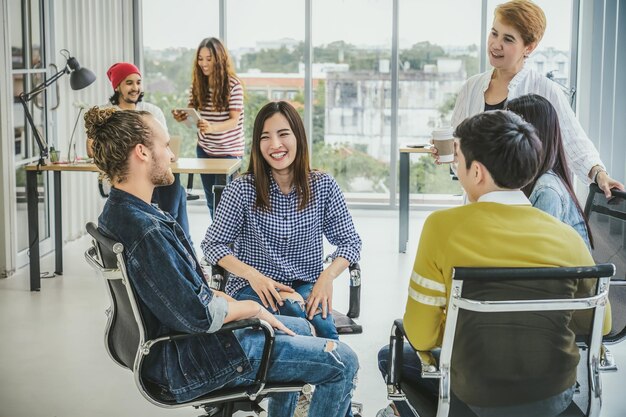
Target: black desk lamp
(79,79)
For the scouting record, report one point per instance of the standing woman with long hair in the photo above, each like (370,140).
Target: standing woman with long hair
(551,190)
(217,94)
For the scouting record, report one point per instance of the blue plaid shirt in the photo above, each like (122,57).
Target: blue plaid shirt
(284,244)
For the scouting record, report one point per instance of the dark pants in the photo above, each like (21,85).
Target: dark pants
(209,180)
(412,374)
(173,199)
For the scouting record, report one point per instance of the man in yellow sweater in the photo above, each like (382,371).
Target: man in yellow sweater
(502,365)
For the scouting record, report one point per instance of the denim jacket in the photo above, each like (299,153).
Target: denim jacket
(551,196)
(173,297)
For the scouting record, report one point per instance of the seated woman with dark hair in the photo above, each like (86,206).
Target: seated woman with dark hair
(551,190)
(270,224)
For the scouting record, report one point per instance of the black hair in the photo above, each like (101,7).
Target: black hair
(538,111)
(504,143)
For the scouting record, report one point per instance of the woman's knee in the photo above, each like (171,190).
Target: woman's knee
(293,305)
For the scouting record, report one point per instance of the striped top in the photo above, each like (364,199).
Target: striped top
(230,142)
(580,152)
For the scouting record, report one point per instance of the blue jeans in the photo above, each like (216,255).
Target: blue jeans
(324,327)
(329,365)
(411,373)
(173,199)
(209,180)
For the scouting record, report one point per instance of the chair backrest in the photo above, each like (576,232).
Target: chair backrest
(459,301)
(122,333)
(607,221)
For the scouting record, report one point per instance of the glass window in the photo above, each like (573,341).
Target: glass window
(351,102)
(26,41)
(171,34)
(434,63)
(36,41)
(269,54)
(17,33)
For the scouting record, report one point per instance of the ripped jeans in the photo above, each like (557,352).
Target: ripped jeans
(323,327)
(329,365)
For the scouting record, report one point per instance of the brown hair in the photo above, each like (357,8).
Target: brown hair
(260,169)
(115,133)
(525,16)
(218,82)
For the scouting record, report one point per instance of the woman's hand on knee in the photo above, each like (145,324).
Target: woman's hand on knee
(322,296)
(267,290)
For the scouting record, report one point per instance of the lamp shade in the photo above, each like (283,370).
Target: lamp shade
(79,77)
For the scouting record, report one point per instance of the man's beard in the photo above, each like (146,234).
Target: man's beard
(161,177)
(129,100)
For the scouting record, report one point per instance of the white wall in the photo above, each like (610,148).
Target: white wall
(98,33)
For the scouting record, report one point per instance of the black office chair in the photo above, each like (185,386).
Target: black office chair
(126,343)
(587,401)
(344,322)
(607,221)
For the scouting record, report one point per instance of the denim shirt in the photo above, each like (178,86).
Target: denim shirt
(173,298)
(551,196)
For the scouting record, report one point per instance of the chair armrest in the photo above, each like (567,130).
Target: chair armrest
(396,348)
(268,345)
(217,278)
(354,306)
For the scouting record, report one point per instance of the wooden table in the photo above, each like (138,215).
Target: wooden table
(225,167)
(405,167)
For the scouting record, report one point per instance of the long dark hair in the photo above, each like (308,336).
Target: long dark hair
(538,111)
(218,81)
(260,169)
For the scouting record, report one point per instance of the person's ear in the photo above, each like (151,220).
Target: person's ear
(528,49)
(477,172)
(140,151)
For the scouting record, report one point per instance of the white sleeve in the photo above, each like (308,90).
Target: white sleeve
(580,152)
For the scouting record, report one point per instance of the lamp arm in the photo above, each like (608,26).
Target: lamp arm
(43,146)
(37,90)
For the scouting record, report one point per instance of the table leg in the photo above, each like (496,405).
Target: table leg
(58,225)
(403,232)
(32,198)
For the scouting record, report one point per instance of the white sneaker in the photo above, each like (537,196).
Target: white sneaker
(386,412)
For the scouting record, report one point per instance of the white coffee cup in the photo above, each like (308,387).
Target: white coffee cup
(443,140)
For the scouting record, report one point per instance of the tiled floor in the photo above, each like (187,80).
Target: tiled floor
(52,357)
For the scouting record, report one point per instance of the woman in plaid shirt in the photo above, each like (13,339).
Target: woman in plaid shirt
(269,226)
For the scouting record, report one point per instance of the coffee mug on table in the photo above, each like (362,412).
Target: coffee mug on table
(443,140)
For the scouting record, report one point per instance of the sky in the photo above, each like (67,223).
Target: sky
(360,22)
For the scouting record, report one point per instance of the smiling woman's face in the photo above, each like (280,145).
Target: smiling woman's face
(506,48)
(278,143)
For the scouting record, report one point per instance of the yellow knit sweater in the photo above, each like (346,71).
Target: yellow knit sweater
(495,353)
